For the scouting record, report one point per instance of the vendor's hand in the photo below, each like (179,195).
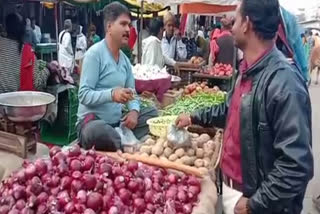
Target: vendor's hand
(177,69)
(242,206)
(122,95)
(183,120)
(131,119)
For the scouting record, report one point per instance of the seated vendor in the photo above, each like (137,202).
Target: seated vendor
(106,84)
(19,68)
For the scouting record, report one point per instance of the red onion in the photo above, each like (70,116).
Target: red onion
(20,204)
(171,194)
(30,171)
(76,185)
(195,190)
(151,208)
(19,192)
(32,200)
(148,196)
(55,180)
(69,208)
(21,176)
(62,169)
(76,175)
(75,165)
(4,209)
(74,151)
(125,196)
(80,208)
(89,181)
(58,158)
(132,166)
(27,210)
(89,211)
(63,198)
(133,186)
(41,167)
(36,185)
(119,182)
(88,163)
(117,171)
(113,210)
(172,178)
(42,209)
(54,191)
(182,196)
(54,150)
(158,198)
(157,187)
(187,208)
(66,182)
(193,181)
(92,153)
(14,211)
(42,198)
(94,201)
(107,201)
(82,196)
(139,204)
(46,179)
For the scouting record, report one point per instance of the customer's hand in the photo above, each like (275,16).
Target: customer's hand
(183,120)
(122,95)
(242,206)
(131,119)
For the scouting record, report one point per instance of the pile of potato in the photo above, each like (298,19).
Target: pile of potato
(203,152)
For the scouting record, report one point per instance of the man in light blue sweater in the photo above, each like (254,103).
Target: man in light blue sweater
(106,84)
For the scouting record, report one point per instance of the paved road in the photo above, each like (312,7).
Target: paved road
(314,185)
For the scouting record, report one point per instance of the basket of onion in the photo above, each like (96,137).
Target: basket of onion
(77,181)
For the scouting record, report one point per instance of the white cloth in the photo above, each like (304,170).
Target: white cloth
(143,35)
(37,32)
(65,55)
(230,198)
(174,47)
(152,53)
(81,45)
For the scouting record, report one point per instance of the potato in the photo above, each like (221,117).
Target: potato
(186,160)
(190,152)
(179,152)
(210,145)
(199,163)
(165,144)
(200,153)
(144,155)
(146,149)
(194,145)
(173,157)
(194,135)
(157,150)
(202,139)
(206,163)
(167,152)
(154,156)
(160,142)
(163,158)
(150,141)
(204,170)
(180,161)
(208,153)
(193,159)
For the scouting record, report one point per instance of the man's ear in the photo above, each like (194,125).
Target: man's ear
(246,25)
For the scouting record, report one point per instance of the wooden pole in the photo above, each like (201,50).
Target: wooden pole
(140,35)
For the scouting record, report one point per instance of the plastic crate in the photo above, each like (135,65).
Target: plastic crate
(63,131)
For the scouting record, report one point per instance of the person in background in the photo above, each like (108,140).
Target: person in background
(20,69)
(81,46)
(143,34)
(65,54)
(30,36)
(93,38)
(191,45)
(266,162)
(222,48)
(106,84)
(310,40)
(171,46)
(203,46)
(36,29)
(316,40)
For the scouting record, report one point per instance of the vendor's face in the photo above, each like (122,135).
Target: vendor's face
(169,27)
(240,29)
(119,30)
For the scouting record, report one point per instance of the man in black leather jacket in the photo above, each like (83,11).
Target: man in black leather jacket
(267,158)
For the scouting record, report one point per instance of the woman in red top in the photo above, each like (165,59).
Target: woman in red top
(19,70)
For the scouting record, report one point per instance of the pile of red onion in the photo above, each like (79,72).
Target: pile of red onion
(79,181)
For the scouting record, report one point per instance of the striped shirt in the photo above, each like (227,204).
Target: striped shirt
(10,62)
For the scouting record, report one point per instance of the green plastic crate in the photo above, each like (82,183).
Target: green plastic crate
(63,131)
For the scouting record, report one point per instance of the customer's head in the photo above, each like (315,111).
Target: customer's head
(256,20)
(169,23)
(92,30)
(33,22)
(68,24)
(226,23)
(117,20)
(156,28)
(15,27)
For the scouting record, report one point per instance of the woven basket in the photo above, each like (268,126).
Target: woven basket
(158,126)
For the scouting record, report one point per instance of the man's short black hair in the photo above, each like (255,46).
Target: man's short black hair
(113,10)
(264,15)
(155,26)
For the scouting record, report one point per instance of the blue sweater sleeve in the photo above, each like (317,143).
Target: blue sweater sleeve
(130,83)
(88,95)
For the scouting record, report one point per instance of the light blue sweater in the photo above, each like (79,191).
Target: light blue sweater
(100,74)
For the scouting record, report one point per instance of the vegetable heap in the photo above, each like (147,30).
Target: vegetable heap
(194,88)
(78,181)
(149,72)
(219,70)
(189,104)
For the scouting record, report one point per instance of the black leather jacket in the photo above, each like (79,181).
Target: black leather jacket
(276,138)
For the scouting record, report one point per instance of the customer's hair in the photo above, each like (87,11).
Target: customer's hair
(264,15)
(113,10)
(15,27)
(67,24)
(155,26)
(92,28)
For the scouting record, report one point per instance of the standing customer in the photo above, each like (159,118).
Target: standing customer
(106,84)
(267,159)
(36,29)
(93,37)
(65,55)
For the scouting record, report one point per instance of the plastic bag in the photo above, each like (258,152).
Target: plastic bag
(178,138)
(128,141)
